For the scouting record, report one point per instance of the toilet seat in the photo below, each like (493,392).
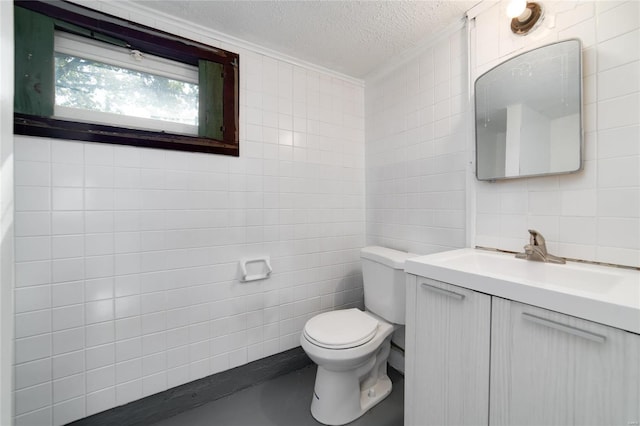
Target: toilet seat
(342,329)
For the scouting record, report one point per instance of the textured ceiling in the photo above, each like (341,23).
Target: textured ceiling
(351,37)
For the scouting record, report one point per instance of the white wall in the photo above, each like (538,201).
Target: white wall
(594,214)
(513,143)
(564,144)
(126,258)
(535,137)
(6,212)
(416,131)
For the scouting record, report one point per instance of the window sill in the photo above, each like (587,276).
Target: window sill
(31,125)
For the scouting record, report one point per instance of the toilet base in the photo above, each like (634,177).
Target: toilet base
(344,406)
(369,398)
(340,397)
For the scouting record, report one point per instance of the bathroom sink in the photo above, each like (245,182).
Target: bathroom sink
(577,277)
(608,295)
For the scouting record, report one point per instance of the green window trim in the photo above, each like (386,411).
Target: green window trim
(211,85)
(34,74)
(218,81)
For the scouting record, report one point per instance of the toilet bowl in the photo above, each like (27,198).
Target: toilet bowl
(352,366)
(351,347)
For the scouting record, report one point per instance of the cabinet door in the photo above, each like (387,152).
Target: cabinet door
(552,369)
(449,377)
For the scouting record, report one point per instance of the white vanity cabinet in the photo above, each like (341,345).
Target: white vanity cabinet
(549,368)
(447,367)
(473,358)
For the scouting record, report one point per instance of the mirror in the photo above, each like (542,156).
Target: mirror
(528,114)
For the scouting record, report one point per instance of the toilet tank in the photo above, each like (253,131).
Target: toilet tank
(384,282)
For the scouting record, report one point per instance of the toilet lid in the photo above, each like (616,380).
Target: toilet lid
(342,329)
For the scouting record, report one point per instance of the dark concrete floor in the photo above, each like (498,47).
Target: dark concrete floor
(285,401)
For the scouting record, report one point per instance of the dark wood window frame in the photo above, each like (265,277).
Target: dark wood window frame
(34,89)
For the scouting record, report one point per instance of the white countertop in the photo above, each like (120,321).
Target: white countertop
(606,295)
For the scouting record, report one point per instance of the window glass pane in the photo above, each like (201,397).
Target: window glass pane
(96,86)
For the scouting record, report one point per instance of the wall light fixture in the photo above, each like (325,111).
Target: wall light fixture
(524,15)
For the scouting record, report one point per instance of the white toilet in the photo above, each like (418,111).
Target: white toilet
(351,347)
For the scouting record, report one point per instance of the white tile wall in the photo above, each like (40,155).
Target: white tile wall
(127,258)
(416,130)
(594,214)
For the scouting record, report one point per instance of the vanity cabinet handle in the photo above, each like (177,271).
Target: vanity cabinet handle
(443,292)
(564,328)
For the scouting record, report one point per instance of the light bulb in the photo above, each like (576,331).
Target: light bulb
(516,7)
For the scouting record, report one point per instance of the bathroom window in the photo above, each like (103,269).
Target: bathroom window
(84,75)
(98,82)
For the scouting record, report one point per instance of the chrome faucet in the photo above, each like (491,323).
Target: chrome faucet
(537,250)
